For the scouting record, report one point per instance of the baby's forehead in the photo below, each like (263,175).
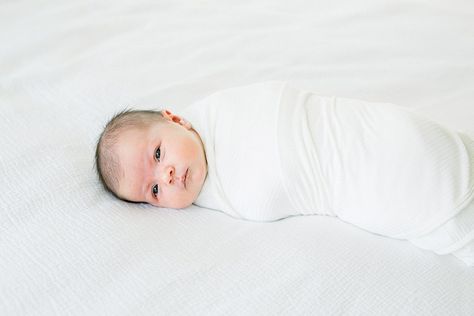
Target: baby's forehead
(137,134)
(130,134)
(129,148)
(136,130)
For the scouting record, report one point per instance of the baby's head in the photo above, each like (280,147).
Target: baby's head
(154,157)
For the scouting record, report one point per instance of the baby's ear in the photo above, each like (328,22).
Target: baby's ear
(185,123)
(176,118)
(167,114)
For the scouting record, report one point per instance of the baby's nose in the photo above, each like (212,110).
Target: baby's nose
(167,175)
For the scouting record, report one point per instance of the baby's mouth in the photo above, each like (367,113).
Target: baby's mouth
(185,177)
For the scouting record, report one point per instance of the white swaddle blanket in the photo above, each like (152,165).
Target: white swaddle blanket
(275,151)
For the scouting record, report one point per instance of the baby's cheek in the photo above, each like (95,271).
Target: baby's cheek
(176,200)
(190,151)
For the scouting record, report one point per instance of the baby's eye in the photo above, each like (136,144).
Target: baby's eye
(154,190)
(158,154)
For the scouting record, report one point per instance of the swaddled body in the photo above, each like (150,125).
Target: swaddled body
(275,151)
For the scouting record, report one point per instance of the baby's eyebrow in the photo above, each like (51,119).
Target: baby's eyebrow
(148,162)
(143,191)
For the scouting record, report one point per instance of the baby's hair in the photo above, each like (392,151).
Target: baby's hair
(106,161)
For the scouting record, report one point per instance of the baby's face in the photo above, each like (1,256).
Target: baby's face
(164,165)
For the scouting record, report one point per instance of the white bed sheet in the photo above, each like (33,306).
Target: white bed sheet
(66,67)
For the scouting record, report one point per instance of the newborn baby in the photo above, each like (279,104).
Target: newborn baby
(151,157)
(267,151)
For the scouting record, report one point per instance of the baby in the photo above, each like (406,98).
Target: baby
(152,157)
(267,151)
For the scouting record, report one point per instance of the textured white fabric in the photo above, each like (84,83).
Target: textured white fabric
(248,167)
(466,253)
(451,235)
(375,165)
(67,248)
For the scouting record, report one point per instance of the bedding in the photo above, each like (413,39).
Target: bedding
(375,165)
(68,248)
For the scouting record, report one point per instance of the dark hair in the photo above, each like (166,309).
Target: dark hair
(106,162)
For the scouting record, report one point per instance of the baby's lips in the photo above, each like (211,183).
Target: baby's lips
(185,177)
